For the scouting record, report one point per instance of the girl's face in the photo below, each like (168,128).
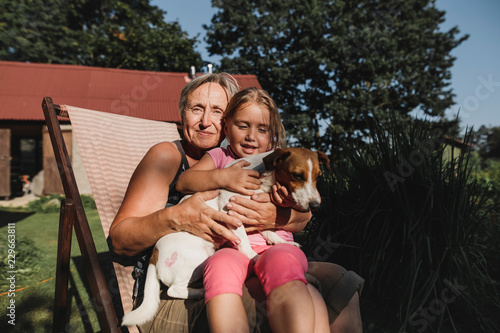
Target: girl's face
(248,130)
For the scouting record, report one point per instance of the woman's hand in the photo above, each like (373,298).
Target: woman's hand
(259,213)
(196,217)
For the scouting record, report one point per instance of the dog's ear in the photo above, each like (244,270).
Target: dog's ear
(323,159)
(272,160)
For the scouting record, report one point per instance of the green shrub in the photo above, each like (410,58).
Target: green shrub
(490,175)
(46,204)
(52,203)
(88,202)
(490,234)
(413,223)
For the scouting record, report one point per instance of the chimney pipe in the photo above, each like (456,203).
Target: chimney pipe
(192,72)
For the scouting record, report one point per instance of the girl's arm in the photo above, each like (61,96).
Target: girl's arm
(204,176)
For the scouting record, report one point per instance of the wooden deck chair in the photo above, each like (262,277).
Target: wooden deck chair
(111,146)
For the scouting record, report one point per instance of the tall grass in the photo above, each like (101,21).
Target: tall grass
(407,215)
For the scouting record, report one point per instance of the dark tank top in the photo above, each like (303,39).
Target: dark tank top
(175,196)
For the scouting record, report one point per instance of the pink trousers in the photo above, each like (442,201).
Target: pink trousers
(226,270)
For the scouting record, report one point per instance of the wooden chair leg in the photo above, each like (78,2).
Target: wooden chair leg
(61,306)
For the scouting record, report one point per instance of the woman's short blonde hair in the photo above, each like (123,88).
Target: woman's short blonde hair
(225,80)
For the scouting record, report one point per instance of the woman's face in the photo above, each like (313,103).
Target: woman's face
(203,114)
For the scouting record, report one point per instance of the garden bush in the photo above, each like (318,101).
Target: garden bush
(417,226)
(52,203)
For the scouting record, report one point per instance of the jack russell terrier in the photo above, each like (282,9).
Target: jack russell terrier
(178,258)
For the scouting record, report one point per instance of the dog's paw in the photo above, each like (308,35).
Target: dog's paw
(178,291)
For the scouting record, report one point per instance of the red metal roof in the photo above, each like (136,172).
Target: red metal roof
(149,95)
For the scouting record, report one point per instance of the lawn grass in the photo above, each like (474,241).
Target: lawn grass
(36,252)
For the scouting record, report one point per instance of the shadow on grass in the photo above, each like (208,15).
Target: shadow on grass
(83,313)
(105,258)
(34,310)
(24,321)
(12,216)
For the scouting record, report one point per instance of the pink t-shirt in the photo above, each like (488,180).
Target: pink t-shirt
(222,157)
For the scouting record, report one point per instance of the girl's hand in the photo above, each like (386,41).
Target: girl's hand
(280,196)
(240,180)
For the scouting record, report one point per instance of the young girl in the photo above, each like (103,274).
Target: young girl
(252,125)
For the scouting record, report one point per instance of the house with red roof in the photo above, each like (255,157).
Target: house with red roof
(24,143)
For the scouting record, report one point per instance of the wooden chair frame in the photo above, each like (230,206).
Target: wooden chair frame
(73,215)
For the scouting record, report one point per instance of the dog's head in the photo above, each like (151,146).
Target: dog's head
(298,170)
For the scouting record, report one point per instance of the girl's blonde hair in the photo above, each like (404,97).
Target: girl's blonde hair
(277,134)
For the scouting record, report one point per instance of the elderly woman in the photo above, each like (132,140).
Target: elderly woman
(150,210)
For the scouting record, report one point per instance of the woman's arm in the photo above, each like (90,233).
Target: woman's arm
(143,219)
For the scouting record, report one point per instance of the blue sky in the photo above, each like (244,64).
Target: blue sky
(475,74)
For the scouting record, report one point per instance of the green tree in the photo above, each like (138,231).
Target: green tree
(107,33)
(36,31)
(487,141)
(494,143)
(332,66)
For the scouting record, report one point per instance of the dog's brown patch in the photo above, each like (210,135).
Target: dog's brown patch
(154,256)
